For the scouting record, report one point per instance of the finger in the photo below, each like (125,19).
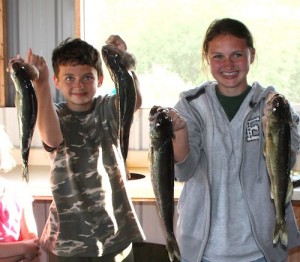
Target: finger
(109,39)
(173,113)
(28,56)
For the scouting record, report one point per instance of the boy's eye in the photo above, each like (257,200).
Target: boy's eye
(88,78)
(69,78)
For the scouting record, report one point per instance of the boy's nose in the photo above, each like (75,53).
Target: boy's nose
(79,83)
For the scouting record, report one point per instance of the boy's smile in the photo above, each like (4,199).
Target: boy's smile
(78,85)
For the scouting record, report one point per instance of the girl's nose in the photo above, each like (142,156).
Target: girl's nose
(228,62)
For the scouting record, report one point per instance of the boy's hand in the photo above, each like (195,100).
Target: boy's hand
(116,41)
(40,64)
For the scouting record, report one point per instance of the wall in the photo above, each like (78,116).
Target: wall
(40,25)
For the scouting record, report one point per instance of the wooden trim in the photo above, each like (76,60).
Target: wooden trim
(3,74)
(77,18)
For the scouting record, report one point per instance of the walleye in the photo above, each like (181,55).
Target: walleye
(119,64)
(162,173)
(277,153)
(22,75)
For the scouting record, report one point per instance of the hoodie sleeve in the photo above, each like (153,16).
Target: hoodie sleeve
(186,168)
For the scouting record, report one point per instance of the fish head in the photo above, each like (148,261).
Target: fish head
(22,69)
(278,108)
(161,128)
(115,58)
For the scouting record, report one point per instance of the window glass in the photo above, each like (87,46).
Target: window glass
(166,38)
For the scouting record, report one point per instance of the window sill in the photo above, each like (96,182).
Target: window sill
(39,157)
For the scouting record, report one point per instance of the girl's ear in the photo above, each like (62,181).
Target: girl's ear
(252,55)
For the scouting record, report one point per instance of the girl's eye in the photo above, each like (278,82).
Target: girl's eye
(217,57)
(237,55)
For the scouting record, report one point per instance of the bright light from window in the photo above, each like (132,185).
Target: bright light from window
(166,37)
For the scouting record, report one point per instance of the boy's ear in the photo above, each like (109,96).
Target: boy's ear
(56,82)
(100,80)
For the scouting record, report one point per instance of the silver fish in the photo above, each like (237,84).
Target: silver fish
(119,64)
(162,173)
(278,153)
(22,75)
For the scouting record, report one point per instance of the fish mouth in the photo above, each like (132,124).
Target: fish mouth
(277,101)
(156,111)
(158,117)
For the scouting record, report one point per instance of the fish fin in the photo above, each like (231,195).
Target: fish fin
(173,249)
(289,192)
(280,233)
(265,150)
(271,194)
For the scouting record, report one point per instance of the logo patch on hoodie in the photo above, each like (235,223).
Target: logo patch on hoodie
(253,129)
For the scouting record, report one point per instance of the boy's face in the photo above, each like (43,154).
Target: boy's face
(78,85)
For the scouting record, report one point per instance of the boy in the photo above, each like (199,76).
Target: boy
(91,217)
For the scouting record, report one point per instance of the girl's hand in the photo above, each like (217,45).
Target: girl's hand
(31,249)
(181,140)
(177,120)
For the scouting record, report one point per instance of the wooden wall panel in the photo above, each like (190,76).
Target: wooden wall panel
(2,53)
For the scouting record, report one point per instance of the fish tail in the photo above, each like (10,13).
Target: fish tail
(173,250)
(25,173)
(280,233)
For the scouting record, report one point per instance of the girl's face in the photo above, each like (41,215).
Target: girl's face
(229,58)
(78,85)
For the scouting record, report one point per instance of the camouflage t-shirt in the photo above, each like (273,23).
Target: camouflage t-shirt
(91,214)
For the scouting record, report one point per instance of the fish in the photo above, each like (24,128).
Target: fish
(162,173)
(22,75)
(277,153)
(119,64)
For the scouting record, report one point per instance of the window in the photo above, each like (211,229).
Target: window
(166,37)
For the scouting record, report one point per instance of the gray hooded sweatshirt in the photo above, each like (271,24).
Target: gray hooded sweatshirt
(225,209)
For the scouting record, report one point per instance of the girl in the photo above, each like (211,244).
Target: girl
(18,232)
(225,209)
